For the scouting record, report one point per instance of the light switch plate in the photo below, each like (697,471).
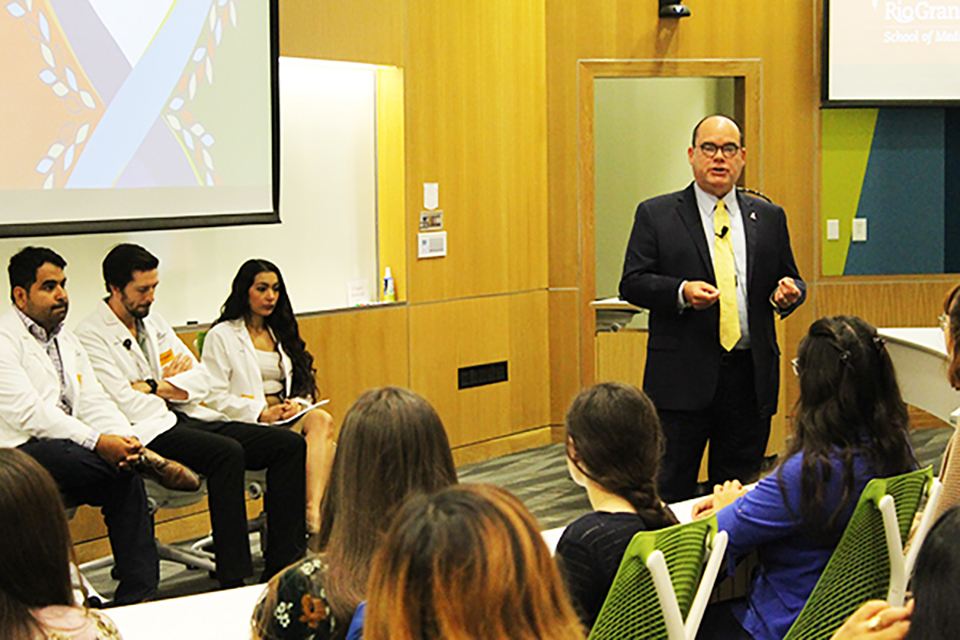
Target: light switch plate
(432,245)
(833,229)
(859,230)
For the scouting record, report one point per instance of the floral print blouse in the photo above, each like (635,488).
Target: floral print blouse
(302,611)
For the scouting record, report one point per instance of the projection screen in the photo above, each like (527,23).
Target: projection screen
(891,53)
(134,115)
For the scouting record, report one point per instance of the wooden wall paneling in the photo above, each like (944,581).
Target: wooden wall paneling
(476,124)
(92,549)
(786,107)
(530,357)
(587,214)
(87,524)
(905,301)
(563,306)
(189,338)
(369,31)
(563,224)
(391,183)
(487,449)
(89,534)
(562,114)
(447,335)
(621,356)
(357,350)
(778,423)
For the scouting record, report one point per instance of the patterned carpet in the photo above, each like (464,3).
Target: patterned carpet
(539,478)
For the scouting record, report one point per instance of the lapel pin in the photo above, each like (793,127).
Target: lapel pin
(753,215)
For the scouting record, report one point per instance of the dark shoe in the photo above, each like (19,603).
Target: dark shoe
(167,473)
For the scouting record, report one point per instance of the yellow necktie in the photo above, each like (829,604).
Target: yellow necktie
(725,270)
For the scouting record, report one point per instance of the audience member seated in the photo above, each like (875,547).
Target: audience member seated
(53,408)
(36,596)
(467,562)
(158,384)
(392,445)
(877,620)
(262,372)
(850,426)
(950,469)
(614,443)
(933,613)
(936,582)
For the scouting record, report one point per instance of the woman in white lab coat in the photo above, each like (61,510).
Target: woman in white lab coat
(262,372)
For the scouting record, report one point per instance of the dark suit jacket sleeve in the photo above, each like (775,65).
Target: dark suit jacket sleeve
(642,283)
(788,267)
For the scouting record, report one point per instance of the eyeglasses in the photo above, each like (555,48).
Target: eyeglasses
(709,149)
(944,321)
(796,366)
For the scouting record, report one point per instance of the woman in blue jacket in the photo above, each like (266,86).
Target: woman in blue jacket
(850,426)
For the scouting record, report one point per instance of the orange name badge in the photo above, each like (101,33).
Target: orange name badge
(166,357)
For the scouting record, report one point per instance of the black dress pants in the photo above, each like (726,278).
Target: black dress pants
(719,623)
(732,424)
(221,451)
(85,478)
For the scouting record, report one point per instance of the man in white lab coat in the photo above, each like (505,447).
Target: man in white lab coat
(53,408)
(159,385)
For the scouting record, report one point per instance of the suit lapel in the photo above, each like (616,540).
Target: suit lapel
(749,216)
(690,215)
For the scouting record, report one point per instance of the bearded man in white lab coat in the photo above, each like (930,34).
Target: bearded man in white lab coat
(159,385)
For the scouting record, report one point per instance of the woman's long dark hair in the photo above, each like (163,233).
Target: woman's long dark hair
(614,438)
(36,551)
(849,403)
(936,582)
(282,322)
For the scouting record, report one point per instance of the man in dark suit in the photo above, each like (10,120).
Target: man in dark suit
(690,261)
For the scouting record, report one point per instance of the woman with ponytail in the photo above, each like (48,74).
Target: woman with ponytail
(614,443)
(850,425)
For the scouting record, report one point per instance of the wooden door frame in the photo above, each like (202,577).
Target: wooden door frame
(747,93)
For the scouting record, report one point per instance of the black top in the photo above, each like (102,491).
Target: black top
(589,554)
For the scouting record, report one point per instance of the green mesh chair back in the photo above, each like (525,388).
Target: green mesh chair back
(859,569)
(201,336)
(632,608)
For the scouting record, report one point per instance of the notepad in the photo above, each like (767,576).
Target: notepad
(297,415)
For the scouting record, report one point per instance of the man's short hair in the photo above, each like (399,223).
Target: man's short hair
(122,261)
(23,267)
(693,142)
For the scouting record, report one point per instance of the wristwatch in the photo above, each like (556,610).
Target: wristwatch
(152,384)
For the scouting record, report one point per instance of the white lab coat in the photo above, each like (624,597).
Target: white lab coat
(30,390)
(119,361)
(236,387)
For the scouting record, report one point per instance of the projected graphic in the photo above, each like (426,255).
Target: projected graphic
(893,50)
(118,93)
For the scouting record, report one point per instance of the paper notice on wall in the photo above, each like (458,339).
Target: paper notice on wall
(431,195)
